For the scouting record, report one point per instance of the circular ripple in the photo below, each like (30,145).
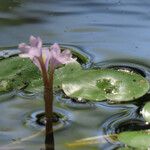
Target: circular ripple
(132,125)
(110,126)
(61,120)
(29,95)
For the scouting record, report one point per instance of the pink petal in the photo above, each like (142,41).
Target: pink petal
(46,53)
(57,58)
(55,49)
(24,48)
(67,57)
(66,54)
(34,52)
(36,62)
(35,42)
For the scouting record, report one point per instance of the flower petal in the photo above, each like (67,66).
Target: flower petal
(37,63)
(24,48)
(57,58)
(66,53)
(35,42)
(55,49)
(34,52)
(46,57)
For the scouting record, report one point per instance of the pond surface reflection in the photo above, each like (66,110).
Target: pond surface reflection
(108,30)
(114,29)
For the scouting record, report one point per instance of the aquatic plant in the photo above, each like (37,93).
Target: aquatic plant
(46,59)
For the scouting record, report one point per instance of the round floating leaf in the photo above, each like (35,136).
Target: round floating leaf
(97,85)
(136,139)
(146,112)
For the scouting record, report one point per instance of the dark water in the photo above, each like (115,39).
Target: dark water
(107,29)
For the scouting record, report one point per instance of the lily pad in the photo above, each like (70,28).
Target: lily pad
(146,112)
(19,72)
(136,139)
(98,85)
(94,85)
(22,73)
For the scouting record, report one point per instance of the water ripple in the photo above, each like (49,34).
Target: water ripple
(31,120)
(112,123)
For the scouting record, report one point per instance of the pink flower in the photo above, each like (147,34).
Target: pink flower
(43,56)
(35,52)
(57,57)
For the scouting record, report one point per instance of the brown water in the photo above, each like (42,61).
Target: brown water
(107,29)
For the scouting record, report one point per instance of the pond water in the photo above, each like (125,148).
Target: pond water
(111,31)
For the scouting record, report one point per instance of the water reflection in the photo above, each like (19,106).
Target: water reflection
(49,139)
(111,125)
(9,5)
(107,29)
(18,21)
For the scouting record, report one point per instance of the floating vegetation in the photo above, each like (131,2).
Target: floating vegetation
(94,85)
(136,139)
(81,88)
(102,84)
(23,74)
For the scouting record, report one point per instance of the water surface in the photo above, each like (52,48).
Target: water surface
(107,29)
(112,29)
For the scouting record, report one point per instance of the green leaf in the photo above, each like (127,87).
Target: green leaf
(64,73)
(97,85)
(23,73)
(146,112)
(94,85)
(19,72)
(136,139)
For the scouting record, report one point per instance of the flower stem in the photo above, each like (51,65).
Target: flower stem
(48,98)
